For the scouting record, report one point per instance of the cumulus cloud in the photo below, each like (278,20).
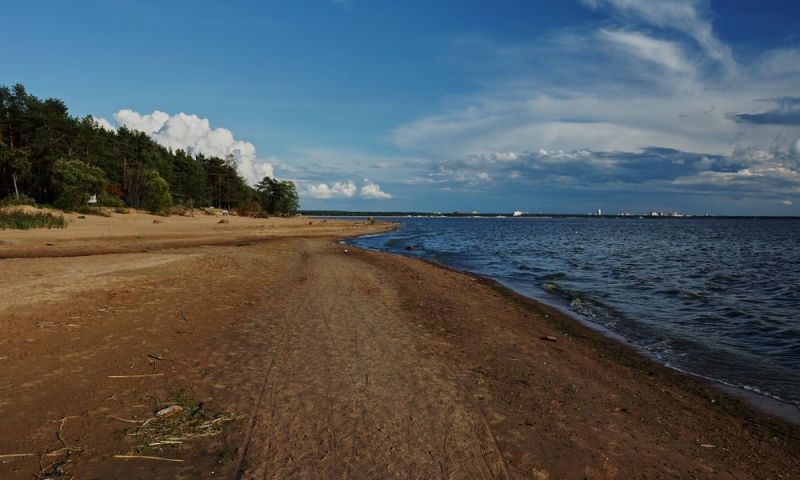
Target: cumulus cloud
(767,171)
(105,124)
(323,191)
(195,135)
(348,189)
(372,191)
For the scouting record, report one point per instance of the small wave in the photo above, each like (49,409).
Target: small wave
(684,295)
(553,288)
(554,276)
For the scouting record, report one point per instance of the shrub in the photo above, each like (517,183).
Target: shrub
(21,220)
(75,182)
(13,201)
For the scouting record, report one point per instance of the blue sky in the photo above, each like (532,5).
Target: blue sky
(563,106)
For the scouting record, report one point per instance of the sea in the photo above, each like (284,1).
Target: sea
(717,298)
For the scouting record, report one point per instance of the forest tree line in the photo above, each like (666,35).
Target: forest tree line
(59,160)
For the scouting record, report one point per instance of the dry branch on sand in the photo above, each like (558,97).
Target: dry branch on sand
(181,421)
(148,457)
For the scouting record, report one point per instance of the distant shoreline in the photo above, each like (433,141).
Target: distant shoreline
(329,214)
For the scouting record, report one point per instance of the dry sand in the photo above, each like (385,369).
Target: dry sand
(292,358)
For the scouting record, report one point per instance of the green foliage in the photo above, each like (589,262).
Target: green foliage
(75,182)
(36,134)
(252,208)
(13,201)
(105,199)
(147,190)
(158,196)
(278,198)
(22,220)
(16,161)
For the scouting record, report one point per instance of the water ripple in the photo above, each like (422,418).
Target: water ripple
(715,297)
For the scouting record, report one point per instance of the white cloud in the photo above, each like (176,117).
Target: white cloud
(660,52)
(337,190)
(599,90)
(195,135)
(148,124)
(681,15)
(105,124)
(372,191)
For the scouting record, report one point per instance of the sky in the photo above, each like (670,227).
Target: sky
(557,106)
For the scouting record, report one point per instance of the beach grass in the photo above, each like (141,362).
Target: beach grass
(20,219)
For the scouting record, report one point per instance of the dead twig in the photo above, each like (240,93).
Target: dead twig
(61,428)
(148,457)
(123,420)
(14,455)
(137,376)
(165,442)
(54,470)
(184,316)
(58,452)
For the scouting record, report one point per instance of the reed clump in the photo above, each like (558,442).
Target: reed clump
(20,219)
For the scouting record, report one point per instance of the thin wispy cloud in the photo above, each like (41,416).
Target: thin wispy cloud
(691,17)
(672,112)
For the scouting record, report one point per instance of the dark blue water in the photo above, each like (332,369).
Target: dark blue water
(719,298)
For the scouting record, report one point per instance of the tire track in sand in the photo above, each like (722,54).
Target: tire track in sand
(276,363)
(349,390)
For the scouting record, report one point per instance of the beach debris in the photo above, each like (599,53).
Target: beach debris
(137,376)
(51,324)
(182,421)
(54,470)
(157,221)
(112,417)
(184,316)
(164,412)
(224,221)
(548,338)
(345,251)
(153,355)
(148,457)
(6,242)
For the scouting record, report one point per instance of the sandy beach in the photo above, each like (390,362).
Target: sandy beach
(139,346)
